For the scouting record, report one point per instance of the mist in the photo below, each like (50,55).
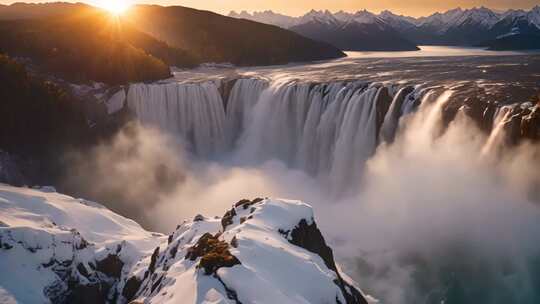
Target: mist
(432,218)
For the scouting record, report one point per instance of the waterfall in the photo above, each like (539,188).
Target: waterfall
(498,135)
(243,97)
(328,130)
(194,112)
(400,105)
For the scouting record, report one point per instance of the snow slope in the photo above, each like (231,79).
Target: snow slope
(54,248)
(46,236)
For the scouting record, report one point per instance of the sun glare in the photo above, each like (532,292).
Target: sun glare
(116,7)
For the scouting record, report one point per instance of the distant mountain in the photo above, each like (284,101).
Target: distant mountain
(216,38)
(362,31)
(469,27)
(397,21)
(466,27)
(22,10)
(81,43)
(518,30)
(267,17)
(454,27)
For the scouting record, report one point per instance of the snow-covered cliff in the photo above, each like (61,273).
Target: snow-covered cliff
(58,249)
(54,248)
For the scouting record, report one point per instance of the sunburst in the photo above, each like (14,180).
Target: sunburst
(116,7)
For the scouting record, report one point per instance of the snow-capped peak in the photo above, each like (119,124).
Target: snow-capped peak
(268,17)
(389,14)
(319,16)
(512,13)
(482,15)
(397,21)
(242,14)
(364,16)
(343,15)
(441,19)
(533,16)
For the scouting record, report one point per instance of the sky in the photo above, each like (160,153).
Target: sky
(298,7)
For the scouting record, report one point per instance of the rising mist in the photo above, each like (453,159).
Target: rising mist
(431,217)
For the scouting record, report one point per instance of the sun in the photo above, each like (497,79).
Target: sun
(116,7)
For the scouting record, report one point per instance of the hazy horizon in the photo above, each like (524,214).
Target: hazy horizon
(415,8)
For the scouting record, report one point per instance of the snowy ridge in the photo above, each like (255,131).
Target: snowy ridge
(363,17)
(325,17)
(68,250)
(397,21)
(534,16)
(268,17)
(481,16)
(260,251)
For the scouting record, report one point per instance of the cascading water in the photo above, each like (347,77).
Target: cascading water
(195,112)
(327,130)
(497,137)
(243,98)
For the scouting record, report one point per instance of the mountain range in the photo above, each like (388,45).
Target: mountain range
(361,31)
(79,43)
(513,29)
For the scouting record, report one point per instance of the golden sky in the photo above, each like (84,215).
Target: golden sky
(298,7)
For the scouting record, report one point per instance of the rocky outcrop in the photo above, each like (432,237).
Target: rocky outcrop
(309,237)
(213,253)
(530,123)
(81,276)
(519,121)
(389,126)
(225,90)
(229,254)
(383,101)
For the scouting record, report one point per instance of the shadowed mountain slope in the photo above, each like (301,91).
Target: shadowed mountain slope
(216,38)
